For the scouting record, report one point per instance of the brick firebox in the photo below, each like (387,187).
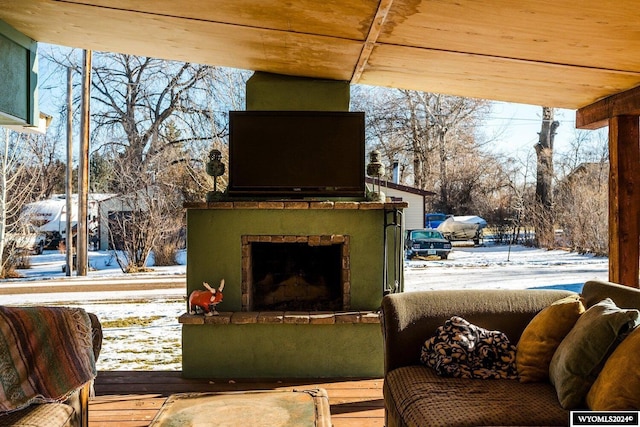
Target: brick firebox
(313,272)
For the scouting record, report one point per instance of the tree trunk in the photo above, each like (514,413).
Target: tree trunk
(444,193)
(544,182)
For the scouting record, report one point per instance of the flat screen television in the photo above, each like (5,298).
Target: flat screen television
(295,154)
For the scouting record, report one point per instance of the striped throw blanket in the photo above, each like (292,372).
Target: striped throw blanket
(45,354)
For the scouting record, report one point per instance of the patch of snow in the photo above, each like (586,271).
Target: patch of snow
(504,267)
(156,345)
(50,265)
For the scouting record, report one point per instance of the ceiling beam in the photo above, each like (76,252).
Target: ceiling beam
(597,115)
(374,32)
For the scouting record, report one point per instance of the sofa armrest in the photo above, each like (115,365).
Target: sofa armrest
(96,335)
(64,337)
(408,319)
(79,400)
(595,291)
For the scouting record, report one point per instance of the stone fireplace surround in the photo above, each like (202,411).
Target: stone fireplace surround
(243,342)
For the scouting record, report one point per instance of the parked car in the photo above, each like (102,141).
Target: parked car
(426,242)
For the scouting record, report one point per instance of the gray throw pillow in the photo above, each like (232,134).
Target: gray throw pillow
(581,354)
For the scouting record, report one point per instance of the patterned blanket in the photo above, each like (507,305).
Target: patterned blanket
(463,350)
(45,354)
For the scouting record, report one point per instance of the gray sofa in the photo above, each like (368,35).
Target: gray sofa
(73,411)
(415,396)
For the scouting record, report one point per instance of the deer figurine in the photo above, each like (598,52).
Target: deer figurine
(206,300)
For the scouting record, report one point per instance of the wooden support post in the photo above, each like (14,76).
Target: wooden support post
(84,394)
(83,168)
(624,200)
(69,176)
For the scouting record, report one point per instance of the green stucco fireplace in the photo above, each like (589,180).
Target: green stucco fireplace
(342,339)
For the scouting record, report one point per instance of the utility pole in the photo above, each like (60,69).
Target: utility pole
(83,167)
(69,175)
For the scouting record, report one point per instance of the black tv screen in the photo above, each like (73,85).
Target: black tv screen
(296,153)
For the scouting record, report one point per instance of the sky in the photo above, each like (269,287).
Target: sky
(511,128)
(516,127)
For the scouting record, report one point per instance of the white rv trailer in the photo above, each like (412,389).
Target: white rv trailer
(50,216)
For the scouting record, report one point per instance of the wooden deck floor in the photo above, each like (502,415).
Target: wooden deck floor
(128,398)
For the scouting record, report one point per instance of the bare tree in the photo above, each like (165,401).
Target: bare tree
(434,139)
(544,182)
(16,184)
(581,196)
(153,122)
(517,215)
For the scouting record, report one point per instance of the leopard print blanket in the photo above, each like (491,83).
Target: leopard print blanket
(463,350)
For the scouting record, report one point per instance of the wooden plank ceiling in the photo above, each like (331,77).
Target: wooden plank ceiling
(559,53)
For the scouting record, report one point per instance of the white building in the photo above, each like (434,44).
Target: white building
(416,198)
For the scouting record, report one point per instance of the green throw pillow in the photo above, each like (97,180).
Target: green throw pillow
(542,336)
(582,353)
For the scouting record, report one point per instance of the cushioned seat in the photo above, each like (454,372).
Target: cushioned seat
(52,360)
(46,415)
(419,394)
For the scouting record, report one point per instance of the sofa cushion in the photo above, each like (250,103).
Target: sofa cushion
(40,415)
(581,355)
(616,388)
(543,335)
(417,396)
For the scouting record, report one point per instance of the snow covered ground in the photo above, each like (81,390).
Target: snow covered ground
(504,267)
(50,264)
(141,331)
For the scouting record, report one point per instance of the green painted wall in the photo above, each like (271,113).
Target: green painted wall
(282,351)
(18,84)
(267,91)
(214,252)
(214,246)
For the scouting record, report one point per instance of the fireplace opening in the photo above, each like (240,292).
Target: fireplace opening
(297,276)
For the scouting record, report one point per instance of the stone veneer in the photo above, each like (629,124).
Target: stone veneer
(295,204)
(282,317)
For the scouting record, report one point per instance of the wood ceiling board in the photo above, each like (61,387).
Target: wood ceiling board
(493,74)
(492,78)
(594,33)
(337,18)
(186,40)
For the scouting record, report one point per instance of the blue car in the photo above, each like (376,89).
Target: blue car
(426,242)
